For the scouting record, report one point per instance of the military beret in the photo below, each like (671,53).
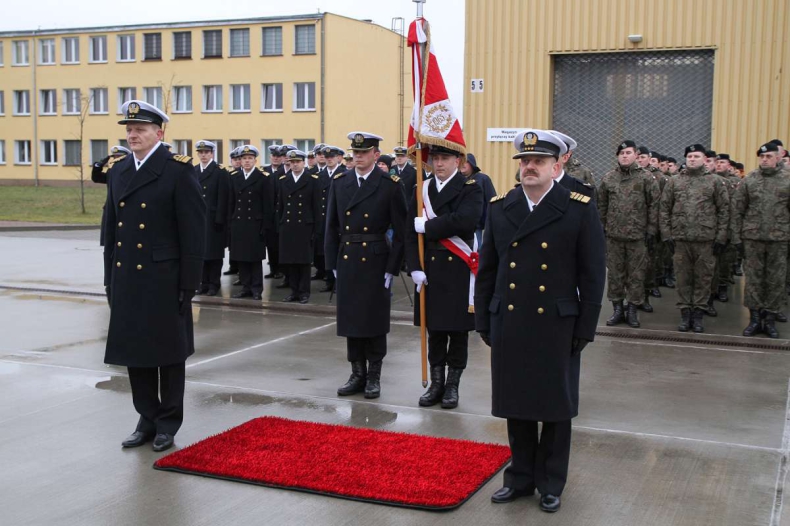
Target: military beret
(625,144)
(694,148)
(643,150)
(662,158)
(723,157)
(738,166)
(538,142)
(672,160)
(768,147)
(363,141)
(778,143)
(655,155)
(140,111)
(711,154)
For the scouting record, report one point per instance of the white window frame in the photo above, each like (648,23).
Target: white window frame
(179,93)
(66,150)
(2,103)
(49,148)
(46,51)
(123,43)
(182,147)
(158,93)
(306,87)
(122,98)
(304,144)
(16,47)
(296,39)
(92,59)
(2,55)
(235,53)
(45,94)
(70,44)
(105,150)
(26,97)
(26,148)
(217,97)
(277,103)
(2,152)
(265,143)
(102,96)
(72,96)
(234,102)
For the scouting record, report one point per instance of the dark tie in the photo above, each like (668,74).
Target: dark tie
(361,181)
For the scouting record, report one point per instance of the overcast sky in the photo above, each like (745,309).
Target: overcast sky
(446,18)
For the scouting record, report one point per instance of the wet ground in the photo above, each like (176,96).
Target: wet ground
(670,432)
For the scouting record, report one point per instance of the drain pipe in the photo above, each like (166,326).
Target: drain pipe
(34,109)
(323,72)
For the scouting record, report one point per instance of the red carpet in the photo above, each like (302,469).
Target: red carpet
(362,464)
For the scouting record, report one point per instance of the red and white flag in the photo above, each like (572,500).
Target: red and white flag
(433,120)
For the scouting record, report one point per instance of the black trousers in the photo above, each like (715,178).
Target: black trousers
(273,250)
(455,354)
(299,279)
(319,262)
(212,272)
(158,415)
(540,462)
(370,349)
(233,266)
(251,276)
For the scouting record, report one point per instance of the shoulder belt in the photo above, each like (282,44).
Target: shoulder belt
(576,196)
(183,159)
(497,198)
(281,178)
(471,181)
(341,174)
(314,176)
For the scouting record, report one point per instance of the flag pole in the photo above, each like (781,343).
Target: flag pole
(421,237)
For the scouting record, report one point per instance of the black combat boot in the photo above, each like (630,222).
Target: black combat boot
(450,398)
(617,317)
(696,320)
(669,278)
(633,319)
(710,309)
(373,387)
(722,294)
(356,382)
(436,390)
(645,306)
(755,325)
(655,292)
(737,268)
(770,325)
(685,320)
(781,317)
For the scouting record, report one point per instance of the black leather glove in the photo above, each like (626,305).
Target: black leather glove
(108,291)
(486,337)
(718,248)
(219,227)
(101,163)
(650,241)
(578,345)
(185,300)
(670,243)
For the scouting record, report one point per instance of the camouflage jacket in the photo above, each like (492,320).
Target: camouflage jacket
(761,207)
(628,203)
(660,178)
(730,182)
(695,207)
(577,170)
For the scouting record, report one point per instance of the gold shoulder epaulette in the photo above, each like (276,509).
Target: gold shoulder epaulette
(576,196)
(110,162)
(265,173)
(497,198)
(183,159)
(341,174)
(471,181)
(314,176)
(395,178)
(282,177)
(233,172)
(220,167)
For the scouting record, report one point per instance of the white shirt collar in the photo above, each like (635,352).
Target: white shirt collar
(296,177)
(247,175)
(138,164)
(363,176)
(559,177)
(440,185)
(533,205)
(331,171)
(203,168)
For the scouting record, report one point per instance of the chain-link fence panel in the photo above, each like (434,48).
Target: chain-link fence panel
(662,100)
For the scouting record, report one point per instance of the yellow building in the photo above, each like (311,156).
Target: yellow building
(300,79)
(665,73)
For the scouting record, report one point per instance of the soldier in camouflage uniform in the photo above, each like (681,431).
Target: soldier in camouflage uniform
(727,258)
(628,204)
(694,218)
(761,222)
(575,168)
(654,274)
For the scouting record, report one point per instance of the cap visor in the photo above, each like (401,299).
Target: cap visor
(533,154)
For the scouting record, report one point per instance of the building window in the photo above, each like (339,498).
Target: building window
(152,46)
(99,150)
(239,97)
(125,48)
(21,53)
(265,143)
(2,102)
(2,56)
(153,96)
(48,102)
(304,144)
(212,98)
(218,151)
(240,42)
(70,47)
(182,99)
(272,41)
(21,152)
(235,143)
(182,147)
(72,153)
(272,97)
(124,95)
(71,102)
(182,44)
(99,103)
(98,49)
(22,102)
(123,142)
(212,43)
(46,51)
(304,96)
(2,151)
(305,40)
(49,152)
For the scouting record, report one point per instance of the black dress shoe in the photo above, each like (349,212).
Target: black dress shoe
(290,298)
(257,297)
(549,503)
(506,494)
(317,277)
(162,442)
(201,292)
(781,317)
(278,275)
(137,439)
(242,294)
(283,285)
(236,283)
(655,293)
(270,275)
(304,300)
(212,292)
(231,272)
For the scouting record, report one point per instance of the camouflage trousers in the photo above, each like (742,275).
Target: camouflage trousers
(765,267)
(651,268)
(626,262)
(695,265)
(724,263)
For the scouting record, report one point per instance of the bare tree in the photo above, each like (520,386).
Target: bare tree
(85,104)
(167,97)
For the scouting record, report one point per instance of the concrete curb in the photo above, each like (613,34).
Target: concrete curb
(44,228)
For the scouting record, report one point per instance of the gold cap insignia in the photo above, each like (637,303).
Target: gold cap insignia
(530,140)
(114,149)
(201,144)
(246,149)
(133,109)
(763,148)
(692,148)
(291,154)
(359,139)
(624,145)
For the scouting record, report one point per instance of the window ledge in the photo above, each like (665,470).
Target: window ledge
(69,63)
(303,54)
(212,111)
(308,110)
(272,111)
(71,113)
(97,62)
(182,112)
(212,57)
(47,114)
(152,59)
(238,56)
(22,164)
(48,164)
(182,58)
(240,111)
(20,65)
(271,55)
(126,61)
(98,113)
(21,115)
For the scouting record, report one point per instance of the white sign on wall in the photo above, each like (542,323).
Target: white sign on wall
(503,134)
(477,86)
